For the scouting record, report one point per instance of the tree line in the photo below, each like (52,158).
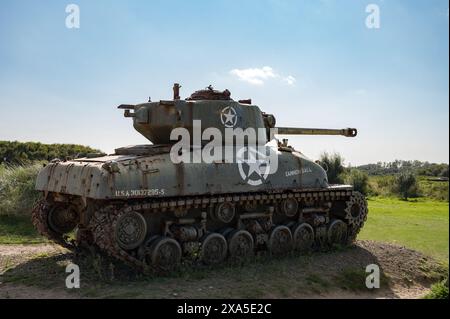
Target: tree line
(15,153)
(398,166)
(397,178)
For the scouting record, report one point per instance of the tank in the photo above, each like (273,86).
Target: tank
(214,183)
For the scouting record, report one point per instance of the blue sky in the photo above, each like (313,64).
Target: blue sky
(60,85)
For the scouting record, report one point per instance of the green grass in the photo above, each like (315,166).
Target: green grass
(417,224)
(18,230)
(17,193)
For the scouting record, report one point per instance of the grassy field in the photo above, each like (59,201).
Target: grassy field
(18,230)
(418,224)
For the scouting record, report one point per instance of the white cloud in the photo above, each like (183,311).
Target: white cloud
(290,80)
(255,76)
(258,76)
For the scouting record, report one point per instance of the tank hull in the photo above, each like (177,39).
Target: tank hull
(143,176)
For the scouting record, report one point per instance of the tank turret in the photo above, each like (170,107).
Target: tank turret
(206,109)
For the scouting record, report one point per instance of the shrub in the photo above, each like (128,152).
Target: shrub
(433,189)
(18,153)
(405,185)
(335,165)
(17,193)
(438,291)
(359,180)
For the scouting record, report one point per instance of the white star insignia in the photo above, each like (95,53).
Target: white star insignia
(258,166)
(254,165)
(228,116)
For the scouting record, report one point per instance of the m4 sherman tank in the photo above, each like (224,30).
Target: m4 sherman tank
(215,183)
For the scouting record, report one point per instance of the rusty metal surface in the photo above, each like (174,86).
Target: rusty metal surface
(157,176)
(176,91)
(210,94)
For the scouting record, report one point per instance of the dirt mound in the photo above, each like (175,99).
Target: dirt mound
(38,271)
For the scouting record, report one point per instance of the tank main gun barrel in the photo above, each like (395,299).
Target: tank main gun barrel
(348,132)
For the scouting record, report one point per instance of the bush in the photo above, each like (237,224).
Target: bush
(381,185)
(359,180)
(335,164)
(18,153)
(17,193)
(438,291)
(437,190)
(405,185)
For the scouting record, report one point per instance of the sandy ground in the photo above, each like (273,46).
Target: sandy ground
(22,251)
(408,273)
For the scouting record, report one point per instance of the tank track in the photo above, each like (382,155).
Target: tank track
(102,225)
(39,218)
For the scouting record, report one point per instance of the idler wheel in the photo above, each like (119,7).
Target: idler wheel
(303,237)
(356,211)
(337,232)
(224,212)
(280,241)
(62,219)
(289,207)
(164,253)
(130,230)
(213,249)
(240,244)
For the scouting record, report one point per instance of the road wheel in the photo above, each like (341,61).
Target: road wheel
(280,241)
(130,230)
(62,219)
(213,249)
(303,236)
(240,244)
(337,232)
(163,253)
